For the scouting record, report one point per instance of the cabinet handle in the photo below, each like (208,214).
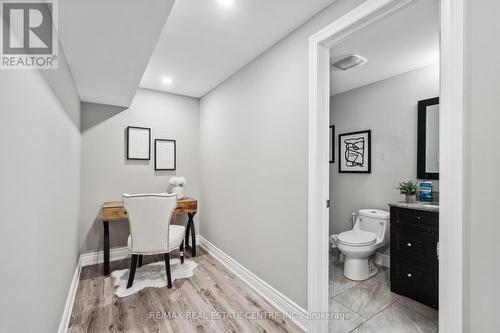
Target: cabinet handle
(408,275)
(419,217)
(408,244)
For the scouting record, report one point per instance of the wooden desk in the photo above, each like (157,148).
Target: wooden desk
(115,212)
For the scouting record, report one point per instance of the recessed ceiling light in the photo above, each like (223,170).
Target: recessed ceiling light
(225,3)
(167,80)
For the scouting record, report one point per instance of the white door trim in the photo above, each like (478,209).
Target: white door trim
(451,142)
(451,179)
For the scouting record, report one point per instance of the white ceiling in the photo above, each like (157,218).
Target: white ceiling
(203,43)
(405,41)
(108,44)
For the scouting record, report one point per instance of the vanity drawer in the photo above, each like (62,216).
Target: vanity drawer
(413,244)
(415,217)
(415,280)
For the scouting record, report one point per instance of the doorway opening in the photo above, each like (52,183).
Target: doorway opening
(450,148)
(377,268)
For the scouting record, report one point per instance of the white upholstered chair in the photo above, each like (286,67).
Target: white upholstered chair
(151,233)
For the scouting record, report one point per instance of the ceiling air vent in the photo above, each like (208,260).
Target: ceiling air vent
(349,61)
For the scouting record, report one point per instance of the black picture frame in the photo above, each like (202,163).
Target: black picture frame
(332,144)
(129,128)
(421,139)
(367,146)
(156,156)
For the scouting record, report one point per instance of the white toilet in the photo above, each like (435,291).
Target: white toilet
(370,233)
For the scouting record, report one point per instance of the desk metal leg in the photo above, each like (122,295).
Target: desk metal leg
(106,247)
(190,230)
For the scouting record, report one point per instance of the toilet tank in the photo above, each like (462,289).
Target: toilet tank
(375,221)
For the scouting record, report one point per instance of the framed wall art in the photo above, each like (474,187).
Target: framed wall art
(332,144)
(165,154)
(355,152)
(138,143)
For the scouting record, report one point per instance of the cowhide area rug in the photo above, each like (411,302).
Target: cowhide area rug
(151,276)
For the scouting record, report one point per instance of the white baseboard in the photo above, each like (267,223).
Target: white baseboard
(383,260)
(117,253)
(86,259)
(270,294)
(66,316)
(92,258)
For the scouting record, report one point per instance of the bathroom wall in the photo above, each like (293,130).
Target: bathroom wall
(389,109)
(106,173)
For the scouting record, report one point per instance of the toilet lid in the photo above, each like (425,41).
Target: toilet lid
(357,238)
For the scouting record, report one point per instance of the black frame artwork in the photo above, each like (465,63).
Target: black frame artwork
(128,143)
(332,144)
(156,156)
(367,150)
(421,139)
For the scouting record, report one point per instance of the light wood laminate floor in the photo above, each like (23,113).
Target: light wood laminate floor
(212,290)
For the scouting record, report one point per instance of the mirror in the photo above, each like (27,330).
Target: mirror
(428,139)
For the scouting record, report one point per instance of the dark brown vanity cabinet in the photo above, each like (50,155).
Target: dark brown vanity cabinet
(414,257)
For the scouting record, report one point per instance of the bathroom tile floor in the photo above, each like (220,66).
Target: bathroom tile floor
(370,306)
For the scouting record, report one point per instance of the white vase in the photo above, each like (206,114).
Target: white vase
(410,198)
(179,190)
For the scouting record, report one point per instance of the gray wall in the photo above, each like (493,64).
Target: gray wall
(106,173)
(482,232)
(254,165)
(39,196)
(389,109)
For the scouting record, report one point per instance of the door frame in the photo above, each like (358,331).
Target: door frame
(451,156)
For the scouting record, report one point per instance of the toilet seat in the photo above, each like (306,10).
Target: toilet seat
(357,238)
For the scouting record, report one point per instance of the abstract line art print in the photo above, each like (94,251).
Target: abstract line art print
(355,152)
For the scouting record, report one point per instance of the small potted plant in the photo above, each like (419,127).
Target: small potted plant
(409,189)
(178,186)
